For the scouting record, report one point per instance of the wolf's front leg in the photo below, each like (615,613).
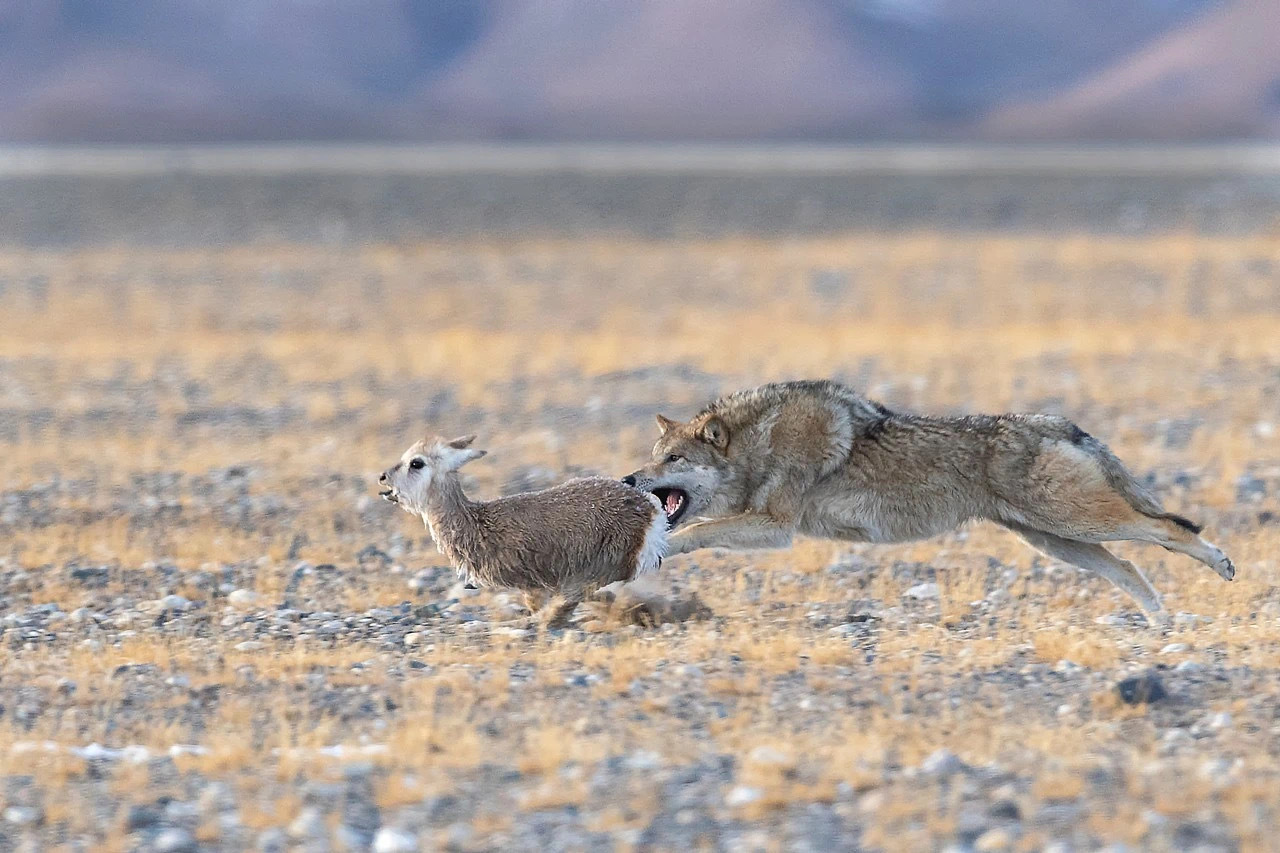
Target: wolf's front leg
(748,530)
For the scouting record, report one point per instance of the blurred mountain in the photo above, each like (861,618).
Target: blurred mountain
(192,70)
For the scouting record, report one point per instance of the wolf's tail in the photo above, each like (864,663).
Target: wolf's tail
(1138,496)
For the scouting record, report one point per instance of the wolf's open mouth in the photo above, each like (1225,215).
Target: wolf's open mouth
(389,495)
(674,503)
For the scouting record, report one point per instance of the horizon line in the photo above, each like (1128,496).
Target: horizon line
(1229,158)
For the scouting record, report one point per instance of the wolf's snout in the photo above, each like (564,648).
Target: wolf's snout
(629,480)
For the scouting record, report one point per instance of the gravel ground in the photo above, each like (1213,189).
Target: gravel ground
(213,635)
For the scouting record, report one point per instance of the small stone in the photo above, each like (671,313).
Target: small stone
(942,762)
(510,631)
(993,840)
(174,841)
(767,756)
(1189,666)
(412,638)
(308,824)
(22,815)
(391,840)
(461,591)
(922,591)
(1141,689)
(250,646)
(643,759)
(1175,648)
(742,796)
(140,817)
(1005,810)
(174,602)
(272,841)
(243,598)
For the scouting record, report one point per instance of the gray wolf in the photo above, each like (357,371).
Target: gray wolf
(565,541)
(817,458)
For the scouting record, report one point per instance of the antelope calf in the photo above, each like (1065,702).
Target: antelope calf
(565,541)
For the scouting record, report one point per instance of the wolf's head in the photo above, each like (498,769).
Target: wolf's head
(408,482)
(689,468)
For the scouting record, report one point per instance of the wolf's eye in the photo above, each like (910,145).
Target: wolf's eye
(674,457)
(416,464)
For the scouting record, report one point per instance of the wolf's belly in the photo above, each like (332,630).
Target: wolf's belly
(863,516)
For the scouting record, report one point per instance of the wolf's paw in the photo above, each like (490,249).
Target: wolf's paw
(1225,568)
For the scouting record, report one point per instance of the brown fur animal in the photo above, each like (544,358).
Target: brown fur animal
(819,459)
(565,541)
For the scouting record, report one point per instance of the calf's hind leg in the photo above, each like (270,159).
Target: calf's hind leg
(1095,558)
(557,611)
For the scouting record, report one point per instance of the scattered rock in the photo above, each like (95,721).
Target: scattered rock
(391,840)
(922,592)
(742,796)
(141,817)
(993,840)
(1141,689)
(942,762)
(174,841)
(23,815)
(243,598)
(308,824)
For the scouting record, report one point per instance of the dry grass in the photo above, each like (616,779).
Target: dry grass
(118,363)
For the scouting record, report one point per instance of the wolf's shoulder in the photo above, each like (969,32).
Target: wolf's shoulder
(755,402)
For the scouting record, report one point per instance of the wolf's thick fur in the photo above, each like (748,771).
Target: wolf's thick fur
(817,458)
(565,541)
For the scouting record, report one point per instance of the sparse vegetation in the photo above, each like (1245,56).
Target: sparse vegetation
(198,578)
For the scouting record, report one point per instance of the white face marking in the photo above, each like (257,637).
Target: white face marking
(421,464)
(411,479)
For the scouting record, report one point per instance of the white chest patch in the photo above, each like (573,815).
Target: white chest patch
(654,547)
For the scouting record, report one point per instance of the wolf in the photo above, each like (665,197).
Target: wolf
(815,457)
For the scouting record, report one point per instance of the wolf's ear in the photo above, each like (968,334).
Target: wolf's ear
(462,443)
(666,424)
(715,433)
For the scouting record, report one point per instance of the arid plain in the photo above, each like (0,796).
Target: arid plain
(214,636)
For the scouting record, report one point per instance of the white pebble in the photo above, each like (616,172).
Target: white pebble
(922,591)
(742,796)
(391,840)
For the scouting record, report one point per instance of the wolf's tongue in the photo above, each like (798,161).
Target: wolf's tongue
(673,502)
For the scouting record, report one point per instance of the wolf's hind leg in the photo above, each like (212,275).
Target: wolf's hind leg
(1176,535)
(1095,558)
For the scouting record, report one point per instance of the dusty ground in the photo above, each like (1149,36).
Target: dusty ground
(215,636)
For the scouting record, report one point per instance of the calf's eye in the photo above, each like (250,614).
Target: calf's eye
(416,464)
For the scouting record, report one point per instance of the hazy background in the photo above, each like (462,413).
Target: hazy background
(83,71)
